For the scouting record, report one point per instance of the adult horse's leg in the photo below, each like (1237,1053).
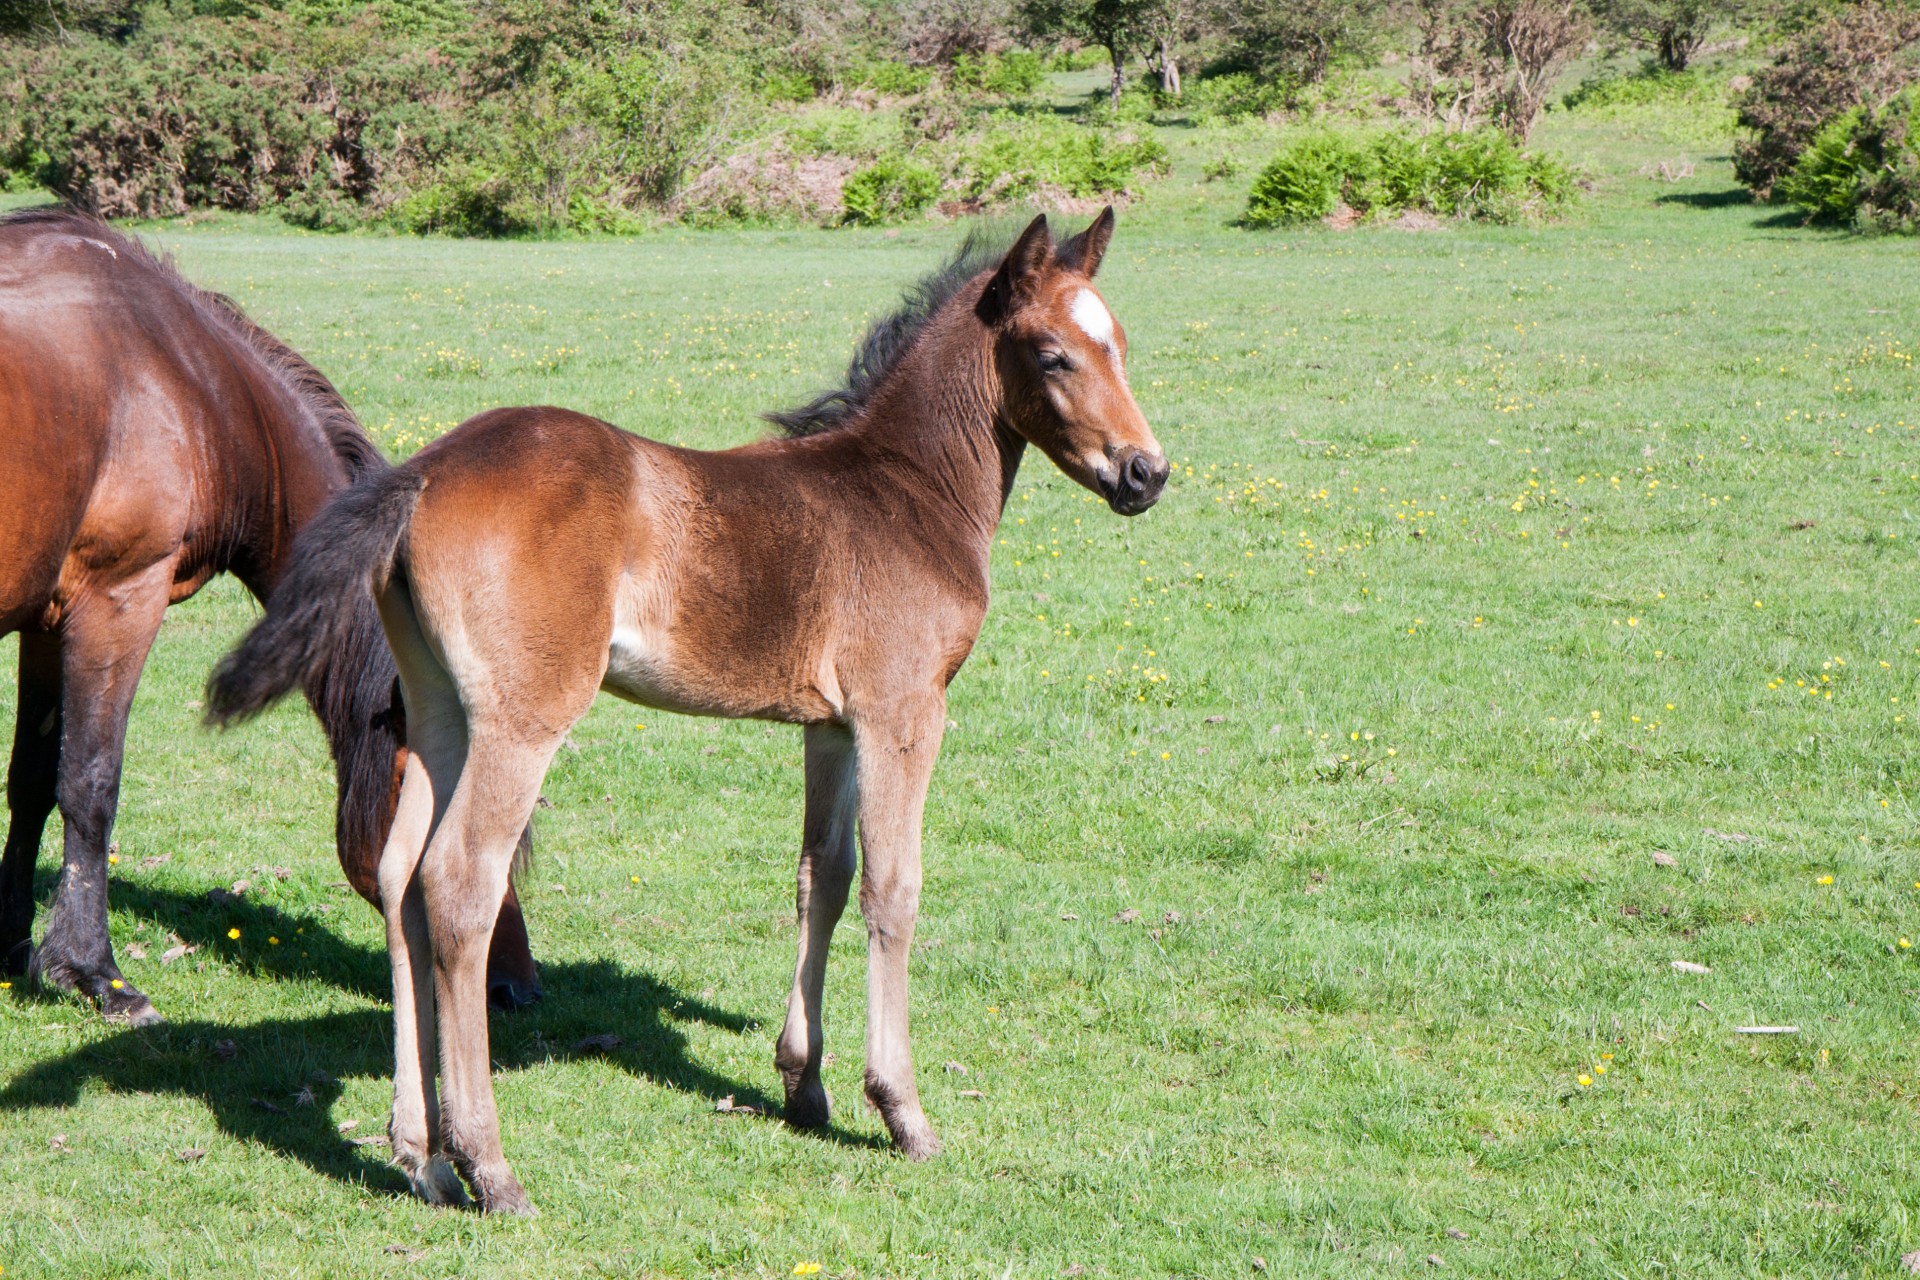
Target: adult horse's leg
(31,779)
(894,765)
(464,877)
(826,872)
(103,646)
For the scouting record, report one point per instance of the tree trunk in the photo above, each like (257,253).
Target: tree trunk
(1675,49)
(1113,90)
(1169,71)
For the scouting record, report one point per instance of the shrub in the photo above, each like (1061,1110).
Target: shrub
(1232,96)
(1015,158)
(1862,170)
(1481,174)
(1860,56)
(788,86)
(465,202)
(892,79)
(1014,74)
(890,189)
(1305,182)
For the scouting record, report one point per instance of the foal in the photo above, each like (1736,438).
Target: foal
(836,578)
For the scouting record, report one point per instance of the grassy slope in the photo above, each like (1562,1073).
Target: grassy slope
(1517,507)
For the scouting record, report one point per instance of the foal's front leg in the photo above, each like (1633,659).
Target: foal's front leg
(895,762)
(826,873)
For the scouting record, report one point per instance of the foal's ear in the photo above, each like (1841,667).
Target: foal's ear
(1020,272)
(1084,251)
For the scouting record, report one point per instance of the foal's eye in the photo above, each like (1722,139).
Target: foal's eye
(1053,362)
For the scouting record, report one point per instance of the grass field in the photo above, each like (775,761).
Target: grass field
(1532,608)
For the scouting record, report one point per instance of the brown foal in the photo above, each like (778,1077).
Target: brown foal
(835,578)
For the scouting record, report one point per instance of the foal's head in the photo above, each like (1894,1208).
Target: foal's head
(1062,363)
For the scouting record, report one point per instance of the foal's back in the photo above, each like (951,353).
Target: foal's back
(736,583)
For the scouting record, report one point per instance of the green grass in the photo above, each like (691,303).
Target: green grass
(1493,566)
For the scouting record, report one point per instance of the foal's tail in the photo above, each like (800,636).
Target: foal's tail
(338,558)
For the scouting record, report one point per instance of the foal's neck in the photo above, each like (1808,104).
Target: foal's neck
(938,416)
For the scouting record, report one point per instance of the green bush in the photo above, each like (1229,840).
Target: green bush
(1862,170)
(1855,55)
(1480,174)
(1014,74)
(1233,96)
(466,202)
(892,79)
(890,189)
(1305,182)
(211,114)
(521,114)
(1016,157)
(788,86)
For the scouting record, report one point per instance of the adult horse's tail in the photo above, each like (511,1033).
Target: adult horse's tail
(337,560)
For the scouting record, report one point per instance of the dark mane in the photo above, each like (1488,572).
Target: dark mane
(888,340)
(306,383)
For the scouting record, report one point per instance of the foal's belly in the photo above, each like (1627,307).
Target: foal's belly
(642,667)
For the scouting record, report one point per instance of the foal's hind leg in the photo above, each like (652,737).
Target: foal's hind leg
(30,792)
(826,873)
(437,733)
(103,646)
(464,875)
(414,1128)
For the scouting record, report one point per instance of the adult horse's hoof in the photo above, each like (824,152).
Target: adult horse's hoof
(808,1105)
(129,1006)
(15,959)
(507,994)
(118,999)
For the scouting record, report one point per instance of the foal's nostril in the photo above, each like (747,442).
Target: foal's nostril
(1139,473)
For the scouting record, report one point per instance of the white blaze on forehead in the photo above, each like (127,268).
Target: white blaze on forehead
(1092,316)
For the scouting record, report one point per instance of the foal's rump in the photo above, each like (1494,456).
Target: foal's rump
(493,528)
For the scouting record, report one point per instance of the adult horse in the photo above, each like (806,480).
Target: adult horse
(836,578)
(152,436)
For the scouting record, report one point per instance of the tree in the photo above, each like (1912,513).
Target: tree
(1497,58)
(1298,41)
(1118,26)
(1675,30)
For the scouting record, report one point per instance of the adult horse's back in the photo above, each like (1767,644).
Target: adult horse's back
(150,437)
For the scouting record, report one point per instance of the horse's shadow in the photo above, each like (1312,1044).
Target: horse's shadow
(275,1081)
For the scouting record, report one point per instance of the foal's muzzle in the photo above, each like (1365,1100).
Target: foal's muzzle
(1138,479)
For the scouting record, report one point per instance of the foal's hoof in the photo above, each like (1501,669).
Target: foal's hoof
(502,1193)
(916,1142)
(435,1181)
